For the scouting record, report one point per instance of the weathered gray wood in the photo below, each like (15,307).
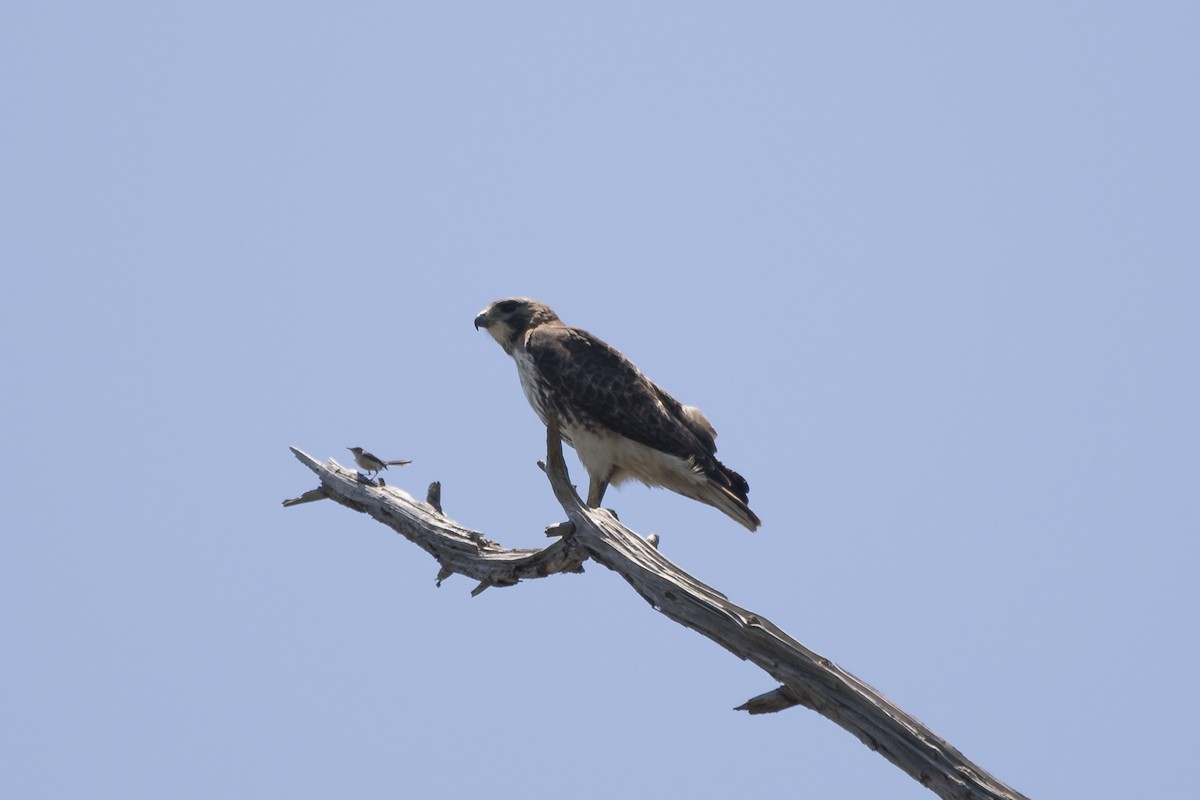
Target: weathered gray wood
(457,549)
(807,678)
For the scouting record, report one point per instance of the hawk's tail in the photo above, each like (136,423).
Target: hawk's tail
(728,492)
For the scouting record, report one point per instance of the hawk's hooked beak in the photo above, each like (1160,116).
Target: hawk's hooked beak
(482,321)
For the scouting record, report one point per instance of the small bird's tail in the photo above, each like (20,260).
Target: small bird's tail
(397,463)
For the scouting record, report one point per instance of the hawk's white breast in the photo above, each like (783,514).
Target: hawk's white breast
(529,381)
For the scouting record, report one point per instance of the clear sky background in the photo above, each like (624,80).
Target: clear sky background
(930,269)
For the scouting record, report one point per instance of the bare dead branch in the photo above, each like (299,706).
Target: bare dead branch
(457,549)
(806,678)
(434,496)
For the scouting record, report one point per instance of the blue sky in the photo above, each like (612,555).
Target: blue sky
(931,271)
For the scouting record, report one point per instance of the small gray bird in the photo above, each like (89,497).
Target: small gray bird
(373,463)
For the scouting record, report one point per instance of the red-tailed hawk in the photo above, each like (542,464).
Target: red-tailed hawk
(620,423)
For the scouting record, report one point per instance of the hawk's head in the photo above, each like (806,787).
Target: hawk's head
(509,320)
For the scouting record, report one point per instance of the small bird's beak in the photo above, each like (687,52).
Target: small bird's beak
(482,321)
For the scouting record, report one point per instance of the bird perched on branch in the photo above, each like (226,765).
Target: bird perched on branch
(620,423)
(373,463)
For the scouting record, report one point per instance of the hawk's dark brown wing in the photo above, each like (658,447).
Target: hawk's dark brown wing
(589,381)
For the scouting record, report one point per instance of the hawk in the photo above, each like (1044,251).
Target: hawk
(620,423)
